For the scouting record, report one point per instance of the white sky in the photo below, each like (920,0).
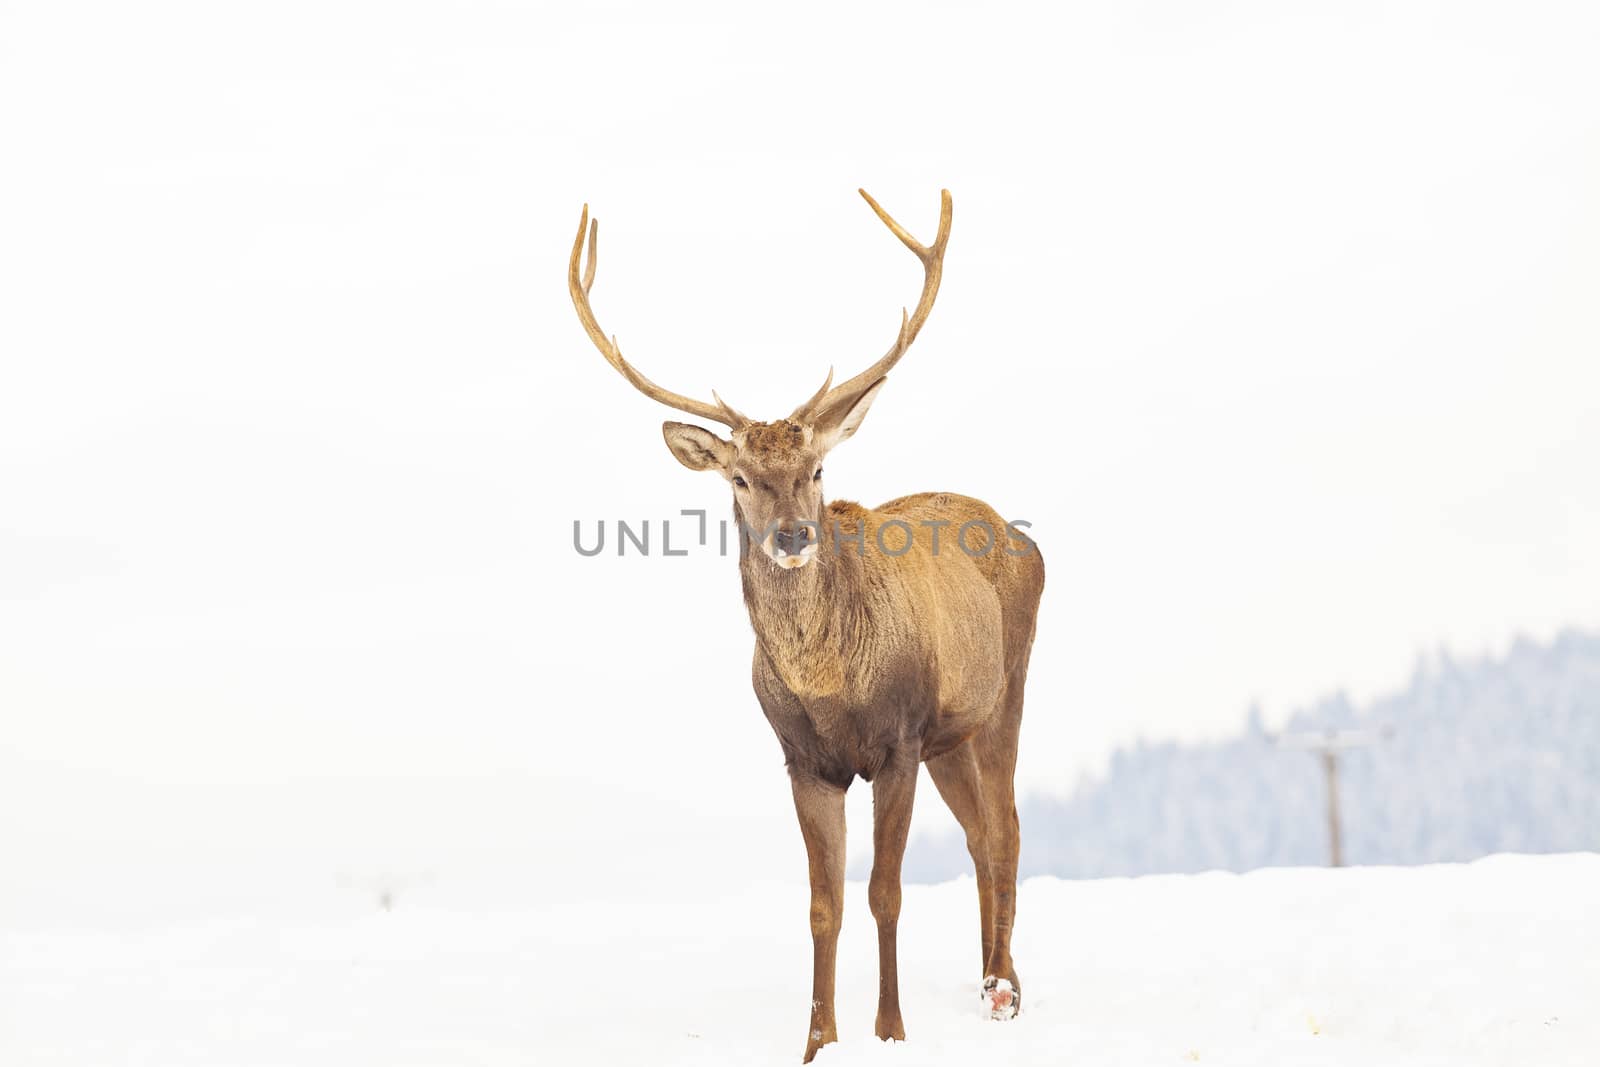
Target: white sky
(1277,321)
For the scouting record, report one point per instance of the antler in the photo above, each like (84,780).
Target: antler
(718,412)
(932,257)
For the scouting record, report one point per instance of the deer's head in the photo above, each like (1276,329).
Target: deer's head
(775,468)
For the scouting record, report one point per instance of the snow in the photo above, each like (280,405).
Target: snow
(1493,962)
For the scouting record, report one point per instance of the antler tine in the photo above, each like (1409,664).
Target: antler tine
(580,286)
(594,250)
(801,413)
(731,417)
(932,257)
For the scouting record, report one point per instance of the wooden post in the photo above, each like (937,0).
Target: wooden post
(1328,744)
(1330,767)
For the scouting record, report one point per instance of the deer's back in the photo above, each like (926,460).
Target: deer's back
(1012,565)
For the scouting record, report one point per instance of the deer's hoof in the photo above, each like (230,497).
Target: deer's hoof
(816,1039)
(1000,998)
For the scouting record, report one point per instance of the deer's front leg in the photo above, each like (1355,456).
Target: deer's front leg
(893,791)
(820,807)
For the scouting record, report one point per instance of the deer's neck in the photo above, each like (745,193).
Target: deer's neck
(800,619)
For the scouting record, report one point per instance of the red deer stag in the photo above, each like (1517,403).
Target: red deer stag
(877,646)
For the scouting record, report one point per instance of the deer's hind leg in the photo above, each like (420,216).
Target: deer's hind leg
(957,777)
(995,748)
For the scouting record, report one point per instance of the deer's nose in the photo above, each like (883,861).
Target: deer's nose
(792,540)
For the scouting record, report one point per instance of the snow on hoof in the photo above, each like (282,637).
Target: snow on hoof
(999,998)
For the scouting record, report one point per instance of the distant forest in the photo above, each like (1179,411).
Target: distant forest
(1491,755)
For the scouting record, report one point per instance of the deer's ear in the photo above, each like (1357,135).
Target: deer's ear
(697,449)
(841,423)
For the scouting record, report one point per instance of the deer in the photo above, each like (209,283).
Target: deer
(877,649)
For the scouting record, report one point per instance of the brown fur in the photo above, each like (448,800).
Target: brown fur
(867,664)
(869,661)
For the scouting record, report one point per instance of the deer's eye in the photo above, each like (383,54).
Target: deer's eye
(740,482)
(817,477)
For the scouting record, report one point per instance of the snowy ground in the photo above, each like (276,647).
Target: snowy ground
(1493,962)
